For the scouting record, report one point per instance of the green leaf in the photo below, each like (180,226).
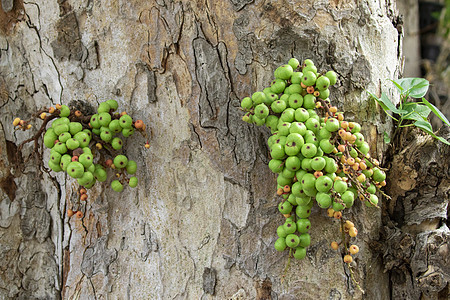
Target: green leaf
(414,87)
(416,112)
(387,103)
(400,88)
(436,111)
(425,126)
(379,102)
(442,139)
(386,138)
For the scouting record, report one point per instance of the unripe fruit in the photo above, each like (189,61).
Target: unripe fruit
(353,249)
(64,111)
(117,186)
(280,244)
(133,182)
(300,253)
(348,259)
(353,232)
(334,245)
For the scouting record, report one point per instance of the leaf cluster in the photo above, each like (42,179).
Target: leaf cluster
(409,112)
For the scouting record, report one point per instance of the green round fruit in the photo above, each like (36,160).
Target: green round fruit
(64,111)
(113,104)
(86,160)
(300,253)
(324,184)
(247,103)
(120,161)
(104,119)
(308,181)
(103,107)
(278,106)
(258,98)
(378,175)
(49,140)
(326,146)
(75,169)
(117,186)
(75,127)
(309,101)
(100,174)
(64,137)
(277,151)
(294,63)
(55,157)
(292,163)
(116,143)
(61,128)
(261,111)
(66,159)
(276,165)
(280,244)
(318,163)
(304,240)
(131,167)
(289,226)
(292,240)
(106,135)
(126,121)
(281,232)
(127,132)
(94,121)
(303,212)
(54,167)
(277,86)
(322,83)
(309,150)
(331,75)
(303,225)
(60,148)
(301,115)
(284,72)
(309,78)
(87,178)
(323,199)
(332,125)
(373,201)
(285,207)
(72,144)
(340,186)
(133,182)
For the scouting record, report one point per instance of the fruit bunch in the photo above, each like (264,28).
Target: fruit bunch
(86,146)
(318,156)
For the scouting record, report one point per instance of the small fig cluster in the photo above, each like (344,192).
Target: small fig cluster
(85,147)
(319,157)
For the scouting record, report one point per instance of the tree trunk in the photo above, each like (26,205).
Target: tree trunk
(202,222)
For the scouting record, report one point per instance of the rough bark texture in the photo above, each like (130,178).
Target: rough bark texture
(416,236)
(202,222)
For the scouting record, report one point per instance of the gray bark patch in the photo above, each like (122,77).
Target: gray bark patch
(209,280)
(68,43)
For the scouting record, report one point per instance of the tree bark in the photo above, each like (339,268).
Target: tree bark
(203,220)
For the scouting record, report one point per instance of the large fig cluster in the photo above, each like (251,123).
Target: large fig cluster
(318,156)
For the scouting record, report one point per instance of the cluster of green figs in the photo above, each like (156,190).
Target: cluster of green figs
(74,139)
(318,156)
